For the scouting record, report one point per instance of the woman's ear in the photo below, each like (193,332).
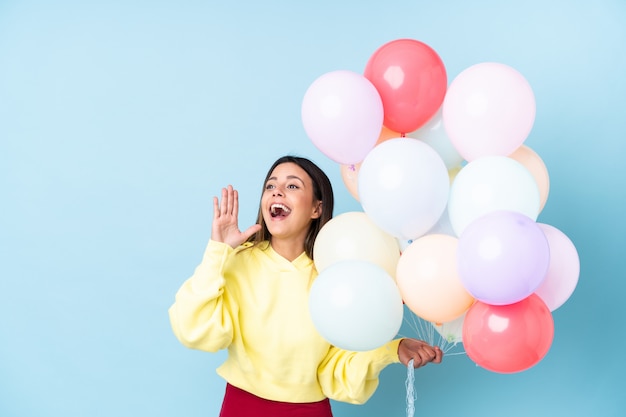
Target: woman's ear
(317,210)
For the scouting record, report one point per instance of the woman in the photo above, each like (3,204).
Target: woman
(250,295)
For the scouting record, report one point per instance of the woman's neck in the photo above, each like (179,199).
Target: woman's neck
(289,249)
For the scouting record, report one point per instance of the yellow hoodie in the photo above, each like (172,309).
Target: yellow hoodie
(254,302)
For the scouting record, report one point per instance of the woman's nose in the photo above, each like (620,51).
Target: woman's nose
(277,192)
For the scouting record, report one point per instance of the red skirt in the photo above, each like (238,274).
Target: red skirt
(239,403)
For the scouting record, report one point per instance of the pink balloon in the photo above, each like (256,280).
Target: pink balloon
(509,338)
(342,114)
(411,79)
(489,109)
(503,257)
(563,271)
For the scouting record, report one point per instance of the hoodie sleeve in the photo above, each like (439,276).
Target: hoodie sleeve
(200,316)
(353,377)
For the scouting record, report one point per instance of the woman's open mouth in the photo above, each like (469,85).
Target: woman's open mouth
(279,210)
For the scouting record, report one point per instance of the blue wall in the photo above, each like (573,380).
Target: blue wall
(119,120)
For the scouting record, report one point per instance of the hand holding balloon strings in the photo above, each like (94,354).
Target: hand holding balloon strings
(419,352)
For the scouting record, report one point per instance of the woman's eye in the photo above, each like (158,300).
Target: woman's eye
(269,186)
(292,186)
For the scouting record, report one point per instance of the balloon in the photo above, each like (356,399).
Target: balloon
(443,226)
(433,134)
(564,269)
(356,305)
(452,172)
(403,187)
(350,177)
(451,331)
(503,257)
(403,244)
(488,184)
(509,338)
(535,165)
(350,173)
(428,279)
(342,114)
(353,236)
(386,134)
(411,80)
(489,109)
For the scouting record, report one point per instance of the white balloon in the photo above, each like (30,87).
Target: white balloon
(403,244)
(403,187)
(443,225)
(356,305)
(451,331)
(488,184)
(354,236)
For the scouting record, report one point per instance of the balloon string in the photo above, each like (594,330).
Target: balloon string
(410,389)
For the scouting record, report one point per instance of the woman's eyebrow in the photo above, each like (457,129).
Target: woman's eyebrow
(289,177)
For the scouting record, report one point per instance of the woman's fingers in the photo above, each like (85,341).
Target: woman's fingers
(235,203)
(224,202)
(421,358)
(216,208)
(438,355)
(421,352)
(228,205)
(428,354)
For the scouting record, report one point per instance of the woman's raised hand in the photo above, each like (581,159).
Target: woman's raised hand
(225,226)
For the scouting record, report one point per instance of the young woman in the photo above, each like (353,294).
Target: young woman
(250,295)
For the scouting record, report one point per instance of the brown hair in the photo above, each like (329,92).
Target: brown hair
(322,191)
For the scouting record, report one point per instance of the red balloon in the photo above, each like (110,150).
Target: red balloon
(508,338)
(411,80)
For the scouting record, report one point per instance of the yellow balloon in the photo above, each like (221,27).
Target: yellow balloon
(452,173)
(353,236)
(428,279)
(533,163)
